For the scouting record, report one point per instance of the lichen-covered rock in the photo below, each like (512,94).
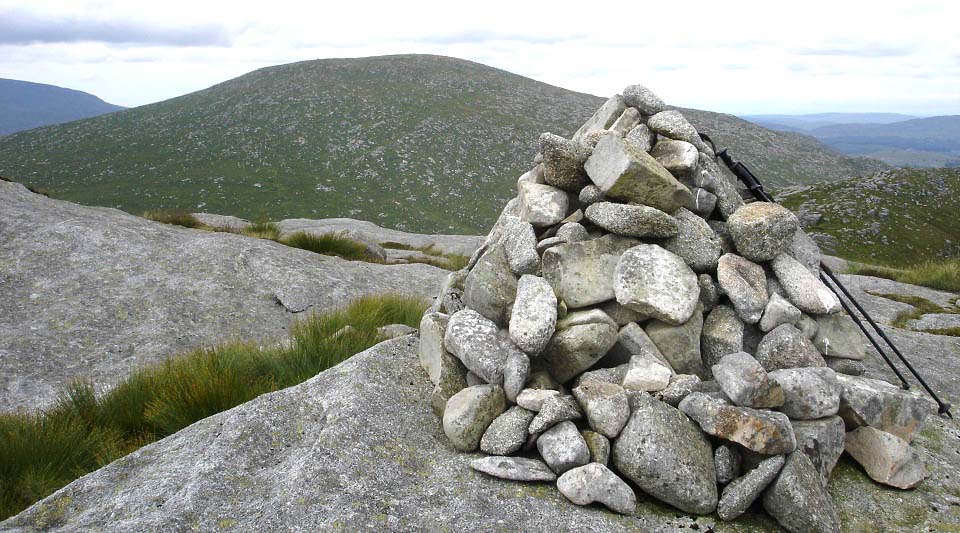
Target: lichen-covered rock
(803,289)
(738,495)
(476,342)
(786,347)
(694,242)
(887,458)
(710,292)
(562,447)
(572,232)
(603,118)
(797,499)
(628,120)
(563,161)
(532,399)
(491,286)
(534,316)
(680,386)
(585,316)
(582,273)
(761,431)
(850,367)
(555,409)
(598,445)
(657,283)
(595,482)
(625,172)
(632,220)
(727,459)
(762,230)
(646,373)
(643,99)
(575,349)
(605,405)
(445,371)
(590,194)
(778,311)
(678,157)
(507,433)
(838,336)
(745,284)
(809,393)
(469,413)
(878,404)
(632,340)
(667,456)
(680,345)
(514,468)
(642,137)
(821,441)
(743,379)
(722,334)
(673,125)
(520,244)
(542,205)
(515,372)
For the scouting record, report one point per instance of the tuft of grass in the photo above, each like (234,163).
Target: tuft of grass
(177,218)
(943,275)
(435,257)
(43,451)
(921,306)
(262,230)
(330,244)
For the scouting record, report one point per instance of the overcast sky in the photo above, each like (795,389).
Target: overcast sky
(736,57)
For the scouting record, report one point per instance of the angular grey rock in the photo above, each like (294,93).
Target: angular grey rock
(595,482)
(583,317)
(605,405)
(745,284)
(761,431)
(603,118)
(821,441)
(786,347)
(469,413)
(727,459)
(778,311)
(515,372)
(612,375)
(694,242)
(598,445)
(590,194)
(704,202)
(532,176)
(667,456)
(476,342)
(431,352)
(632,220)
(533,399)
(534,316)
(738,496)
(582,273)
(850,367)
(805,250)
(722,335)
(542,205)
(625,172)
(657,283)
(838,336)
(878,404)
(673,125)
(507,433)
(555,409)
(809,393)
(520,244)
(573,350)
(627,121)
(620,314)
(646,373)
(491,286)
(643,99)
(641,137)
(511,210)
(514,468)
(720,228)
(797,499)
(680,345)
(562,447)
(450,298)
(541,379)
(710,292)
(743,379)
(392,331)
(709,175)
(804,290)
(807,326)
(573,232)
(563,161)
(678,157)
(548,243)
(762,230)
(632,340)
(887,458)
(681,386)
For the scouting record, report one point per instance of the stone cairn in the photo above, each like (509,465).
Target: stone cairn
(629,316)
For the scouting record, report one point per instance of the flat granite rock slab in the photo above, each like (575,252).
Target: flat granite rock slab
(358,448)
(94,293)
(451,244)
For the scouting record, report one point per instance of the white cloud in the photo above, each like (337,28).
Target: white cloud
(739,57)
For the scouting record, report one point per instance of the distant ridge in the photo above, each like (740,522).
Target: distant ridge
(420,143)
(26,105)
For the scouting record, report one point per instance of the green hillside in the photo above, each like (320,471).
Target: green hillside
(418,143)
(25,105)
(894,218)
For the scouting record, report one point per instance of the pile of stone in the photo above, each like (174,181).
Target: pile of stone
(630,322)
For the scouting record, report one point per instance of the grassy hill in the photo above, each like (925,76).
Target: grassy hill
(25,105)
(417,143)
(894,218)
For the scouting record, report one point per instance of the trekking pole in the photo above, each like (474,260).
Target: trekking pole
(756,189)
